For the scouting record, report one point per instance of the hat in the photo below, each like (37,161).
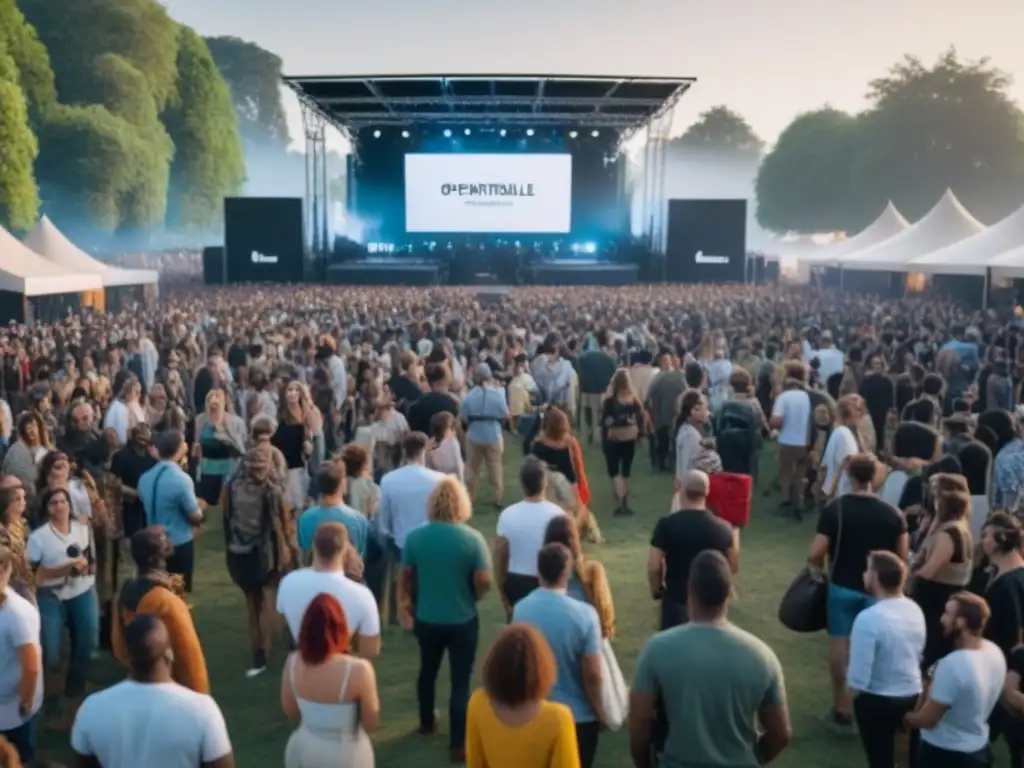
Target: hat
(482,372)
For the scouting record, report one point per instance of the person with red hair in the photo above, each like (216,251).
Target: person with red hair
(332,693)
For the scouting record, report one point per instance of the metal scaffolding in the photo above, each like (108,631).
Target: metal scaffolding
(314,124)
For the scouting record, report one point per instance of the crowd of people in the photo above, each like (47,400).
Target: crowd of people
(346,435)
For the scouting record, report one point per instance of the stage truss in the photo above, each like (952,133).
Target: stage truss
(627,105)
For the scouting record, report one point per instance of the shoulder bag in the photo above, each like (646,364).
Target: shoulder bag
(804,606)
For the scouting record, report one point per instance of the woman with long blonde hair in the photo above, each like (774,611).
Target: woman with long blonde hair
(298,423)
(622,423)
(446,571)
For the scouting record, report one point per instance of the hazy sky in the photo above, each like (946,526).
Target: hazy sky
(769,60)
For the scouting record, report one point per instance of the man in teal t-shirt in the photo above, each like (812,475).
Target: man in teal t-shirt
(331,509)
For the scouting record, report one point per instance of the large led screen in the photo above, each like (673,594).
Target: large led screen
(505,194)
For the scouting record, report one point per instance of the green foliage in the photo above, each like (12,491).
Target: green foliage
(30,58)
(208,164)
(948,126)
(19,198)
(77,33)
(803,184)
(720,128)
(87,165)
(253,75)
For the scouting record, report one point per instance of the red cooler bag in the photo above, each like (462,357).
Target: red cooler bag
(729,497)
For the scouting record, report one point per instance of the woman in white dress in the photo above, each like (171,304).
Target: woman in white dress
(332,693)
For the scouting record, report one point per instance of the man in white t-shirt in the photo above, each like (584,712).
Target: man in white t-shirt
(327,576)
(966,686)
(521,529)
(21,677)
(791,416)
(149,720)
(832,360)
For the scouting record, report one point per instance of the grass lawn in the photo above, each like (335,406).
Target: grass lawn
(773,550)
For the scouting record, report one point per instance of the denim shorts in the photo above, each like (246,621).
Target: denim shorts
(843,606)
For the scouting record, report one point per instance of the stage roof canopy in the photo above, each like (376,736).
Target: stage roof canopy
(621,103)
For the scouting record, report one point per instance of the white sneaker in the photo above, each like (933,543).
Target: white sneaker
(255,672)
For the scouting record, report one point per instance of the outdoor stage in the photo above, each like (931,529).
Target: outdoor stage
(501,159)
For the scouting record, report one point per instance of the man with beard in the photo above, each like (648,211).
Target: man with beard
(965,687)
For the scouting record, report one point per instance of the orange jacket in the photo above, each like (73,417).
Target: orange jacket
(581,474)
(189,661)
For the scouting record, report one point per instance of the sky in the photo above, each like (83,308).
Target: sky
(767,60)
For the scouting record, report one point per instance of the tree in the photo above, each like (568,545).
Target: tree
(803,184)
(87,169)
(950,126)
(76,34)
(208,163)
(253,75)
(118,56)
(19,198)
(721,128)
(30,59)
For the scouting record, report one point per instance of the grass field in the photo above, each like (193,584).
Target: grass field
(772,551)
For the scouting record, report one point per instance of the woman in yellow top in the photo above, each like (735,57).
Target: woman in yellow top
(510,724)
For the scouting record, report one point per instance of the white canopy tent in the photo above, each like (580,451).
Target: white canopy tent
(23,271)
(50,243)
(972,255)
(888,224)
(946,223)
(1009,264)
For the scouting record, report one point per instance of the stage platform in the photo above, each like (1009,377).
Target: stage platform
(573,272)
(384,273)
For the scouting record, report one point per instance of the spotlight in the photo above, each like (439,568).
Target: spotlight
(447,133)
(405,134)
(595,134)
(590,247)
(376,134)
(502,133)
(468,132)
(529,131)
(573,134)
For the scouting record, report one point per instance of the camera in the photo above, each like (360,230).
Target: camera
(74,552)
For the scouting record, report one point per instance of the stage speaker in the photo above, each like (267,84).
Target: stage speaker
(707,241)
(213,266)
(758,264)
(772,272)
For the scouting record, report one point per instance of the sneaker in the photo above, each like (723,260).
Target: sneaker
(841,725)
(432,728)
(259,665)
(785,509)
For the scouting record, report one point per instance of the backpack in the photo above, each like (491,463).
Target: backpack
(248,532)
(737,435)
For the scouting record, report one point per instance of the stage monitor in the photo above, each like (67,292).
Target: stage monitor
(707,241)
(500,194)
(265,239)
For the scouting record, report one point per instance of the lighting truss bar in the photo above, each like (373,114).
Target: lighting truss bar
(416,101)
(588,120)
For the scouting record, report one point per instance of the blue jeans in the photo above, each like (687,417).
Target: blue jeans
(81,615)
(23,739)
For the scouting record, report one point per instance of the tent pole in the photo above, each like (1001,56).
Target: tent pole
(985,288)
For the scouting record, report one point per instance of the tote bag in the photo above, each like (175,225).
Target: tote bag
(614,692)
(804,607)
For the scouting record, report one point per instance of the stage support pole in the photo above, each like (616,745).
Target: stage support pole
(315,127)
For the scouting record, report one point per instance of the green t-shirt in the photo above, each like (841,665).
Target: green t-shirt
(712,680)
(445,556)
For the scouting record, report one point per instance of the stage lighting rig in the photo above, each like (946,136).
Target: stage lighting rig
(529,131)
(502,133)
(595,133)
(447,133)
(468,131)
(405,134)
(573,134)
(376,134)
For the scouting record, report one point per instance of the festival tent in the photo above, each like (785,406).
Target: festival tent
(50,243)
(972,255)
(23,272)
(946,223)
(1009,264)
(890,222)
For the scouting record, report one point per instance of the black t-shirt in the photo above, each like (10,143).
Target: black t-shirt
(682,536)
(1005,597)
(405,391)
(1016,664)
(128,466)
(423,410)
(868,524)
